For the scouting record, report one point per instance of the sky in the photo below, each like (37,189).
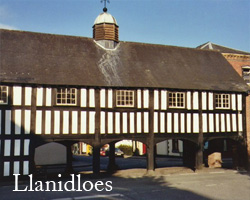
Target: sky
(186,23)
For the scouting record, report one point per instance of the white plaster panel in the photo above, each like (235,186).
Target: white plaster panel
(139,98)
(28,93)
(146,122)
(211,123)
(74,122)
(17,146)
(83,97)
(176,122)
(204,101)
(7,122)
(162,126)
(102,98)
(156,99)
(7,145)
(47,122)
(169,122)
(27,116)
(189,100)
(182,123)
(132,122)
(155,122)
(146,98)
(38,122)
(6,169)
(117,123)
(228,123)
(139,127)
(16,167)
(83,122)
(91,98)
(223,125)
(234,122)
(195,100)
(204,122)
(211,101)
(25,167)
(39,99)
(125,122)
(91,122)
(196,123)
(239,98)
(102,122)
(26,147)
(48,96)
(189,123)
(164,100)
(65,122)
(57,122)
(17,95)
(233,102)
(217,122)
(110,122)
(240,122)
(18,122)
(110,98)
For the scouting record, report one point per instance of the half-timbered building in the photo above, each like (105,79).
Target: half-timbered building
(240,60)
(68,89)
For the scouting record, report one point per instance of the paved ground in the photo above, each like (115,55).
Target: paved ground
(171,183)
(166,183)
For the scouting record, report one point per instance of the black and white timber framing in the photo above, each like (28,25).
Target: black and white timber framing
(34,65)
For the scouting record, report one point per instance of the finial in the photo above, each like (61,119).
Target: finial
(105,3)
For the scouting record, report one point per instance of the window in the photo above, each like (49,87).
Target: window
(222,101)
(66,96)
(3,94)
(125,98)
(246,74)
(176,99)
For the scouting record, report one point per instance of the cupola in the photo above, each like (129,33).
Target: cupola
(106,30)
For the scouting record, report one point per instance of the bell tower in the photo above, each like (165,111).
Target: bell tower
(106,29)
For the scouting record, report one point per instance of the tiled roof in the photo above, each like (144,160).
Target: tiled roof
(36,58)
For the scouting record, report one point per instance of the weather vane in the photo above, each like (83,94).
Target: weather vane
(105,3)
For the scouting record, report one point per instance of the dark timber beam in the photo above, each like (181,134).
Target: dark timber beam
(199,151)
(97,139)
(112,166)
(150,139)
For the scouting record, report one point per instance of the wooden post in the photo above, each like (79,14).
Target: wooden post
(96,159)
(97,140)
(244,151)
(150,139)
(69,167)
(112,165)
(199,151)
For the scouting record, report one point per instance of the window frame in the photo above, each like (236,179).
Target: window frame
(7,95)
(176,100)
(125,106)
(66,104)
(244,74)
(221,96)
